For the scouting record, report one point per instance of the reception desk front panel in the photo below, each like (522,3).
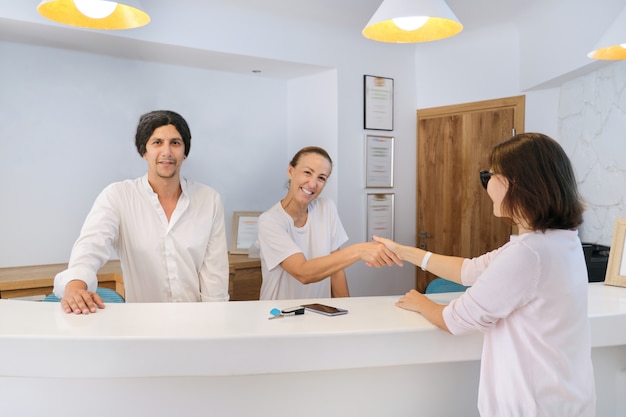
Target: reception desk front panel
(376,360)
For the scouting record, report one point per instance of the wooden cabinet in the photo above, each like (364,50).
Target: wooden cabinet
(38,280)
(245,278)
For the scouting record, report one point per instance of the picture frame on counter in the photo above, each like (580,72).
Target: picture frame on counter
(380,215)
(379,152)
(377,103)
(616,267)
(244,231)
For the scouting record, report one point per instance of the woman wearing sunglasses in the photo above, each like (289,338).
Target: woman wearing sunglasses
(529,297)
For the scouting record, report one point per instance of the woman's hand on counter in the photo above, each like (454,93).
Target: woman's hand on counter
(418,302)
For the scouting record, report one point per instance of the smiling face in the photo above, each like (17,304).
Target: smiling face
(165,152)
(308,178)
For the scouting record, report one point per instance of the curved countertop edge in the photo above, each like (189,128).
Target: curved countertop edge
(43,342)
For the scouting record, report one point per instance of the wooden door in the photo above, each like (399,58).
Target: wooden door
(454,213)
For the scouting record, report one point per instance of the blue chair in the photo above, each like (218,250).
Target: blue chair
(107,295)
(443,285)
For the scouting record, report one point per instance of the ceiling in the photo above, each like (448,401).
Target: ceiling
(19,22)
(355,14)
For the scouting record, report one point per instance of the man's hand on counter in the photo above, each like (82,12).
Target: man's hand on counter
(78,300)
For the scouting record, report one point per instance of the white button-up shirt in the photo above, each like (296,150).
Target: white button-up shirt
(184,259)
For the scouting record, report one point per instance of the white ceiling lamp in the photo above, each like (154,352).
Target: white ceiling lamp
(95,14)
(612,45)
(406,21)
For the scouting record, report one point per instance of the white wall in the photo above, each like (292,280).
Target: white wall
(480,65)
(312,121)
(392,61)
(484,65)
(67,129)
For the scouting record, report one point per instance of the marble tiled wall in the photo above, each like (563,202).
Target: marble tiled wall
(592,128)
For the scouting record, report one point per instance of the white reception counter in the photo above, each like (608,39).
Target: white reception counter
(228,359)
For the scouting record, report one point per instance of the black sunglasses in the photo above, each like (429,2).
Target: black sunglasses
(485,176)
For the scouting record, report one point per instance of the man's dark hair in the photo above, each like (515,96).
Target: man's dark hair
(149,122)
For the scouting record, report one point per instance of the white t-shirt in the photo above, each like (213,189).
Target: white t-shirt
(185,259)
(529,298)
(279,238)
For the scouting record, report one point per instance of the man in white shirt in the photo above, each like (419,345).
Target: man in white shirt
(168,231)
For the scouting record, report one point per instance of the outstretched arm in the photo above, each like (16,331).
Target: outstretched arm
(448,267)
(316,269)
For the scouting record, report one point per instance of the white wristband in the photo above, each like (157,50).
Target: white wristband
(425,260)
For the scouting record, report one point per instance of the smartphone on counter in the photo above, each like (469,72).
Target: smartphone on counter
(324,309)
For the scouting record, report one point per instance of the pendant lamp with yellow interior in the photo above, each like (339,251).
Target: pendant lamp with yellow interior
(612,45)
(408,21)
(95,14)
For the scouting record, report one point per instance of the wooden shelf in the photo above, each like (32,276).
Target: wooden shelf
(38,280)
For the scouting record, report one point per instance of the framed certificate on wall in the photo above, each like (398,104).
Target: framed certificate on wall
(380,215)
(377,103)
(378,161)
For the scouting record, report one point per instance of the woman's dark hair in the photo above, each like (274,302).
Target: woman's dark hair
(542,186)
(310,149)
(149,122)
